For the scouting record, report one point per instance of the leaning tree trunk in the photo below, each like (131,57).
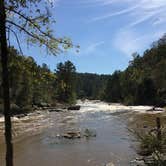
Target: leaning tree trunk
(5,85)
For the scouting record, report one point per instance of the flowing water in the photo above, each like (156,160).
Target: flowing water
(36,142)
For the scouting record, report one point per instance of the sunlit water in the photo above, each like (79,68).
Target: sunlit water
(36,142)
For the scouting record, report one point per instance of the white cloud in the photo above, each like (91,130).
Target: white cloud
(129,41)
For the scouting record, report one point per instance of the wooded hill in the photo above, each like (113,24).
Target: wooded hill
(144,80)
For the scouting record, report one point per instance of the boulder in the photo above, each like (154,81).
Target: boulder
(55,110)
(21,115)
(157,109)
(76,107)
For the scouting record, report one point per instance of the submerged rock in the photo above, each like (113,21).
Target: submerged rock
(89,133)
(77,134)
(72,135)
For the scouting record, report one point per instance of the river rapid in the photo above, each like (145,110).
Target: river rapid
(37,142)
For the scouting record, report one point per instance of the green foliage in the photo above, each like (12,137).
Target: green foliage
(66,82)
(150,143)
(29,83)
(152,146)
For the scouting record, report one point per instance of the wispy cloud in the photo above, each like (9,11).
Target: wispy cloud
(138,16)
(93,47)
(115,13)
(138,11)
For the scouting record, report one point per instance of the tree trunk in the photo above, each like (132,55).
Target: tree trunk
(5,85)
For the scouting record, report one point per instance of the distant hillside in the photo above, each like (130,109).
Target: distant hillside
(90,86)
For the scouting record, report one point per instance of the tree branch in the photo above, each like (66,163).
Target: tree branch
(31,34)
(38,28)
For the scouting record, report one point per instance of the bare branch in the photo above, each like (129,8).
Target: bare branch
(8,37)
(23,29)
(18,41)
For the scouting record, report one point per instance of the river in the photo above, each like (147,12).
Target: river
(36,142)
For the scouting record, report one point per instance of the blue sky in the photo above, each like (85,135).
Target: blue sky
(108,32)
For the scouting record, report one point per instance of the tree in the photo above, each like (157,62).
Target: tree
(25,17)
(146,92)
(5,84)
(66,82)
(113,88)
